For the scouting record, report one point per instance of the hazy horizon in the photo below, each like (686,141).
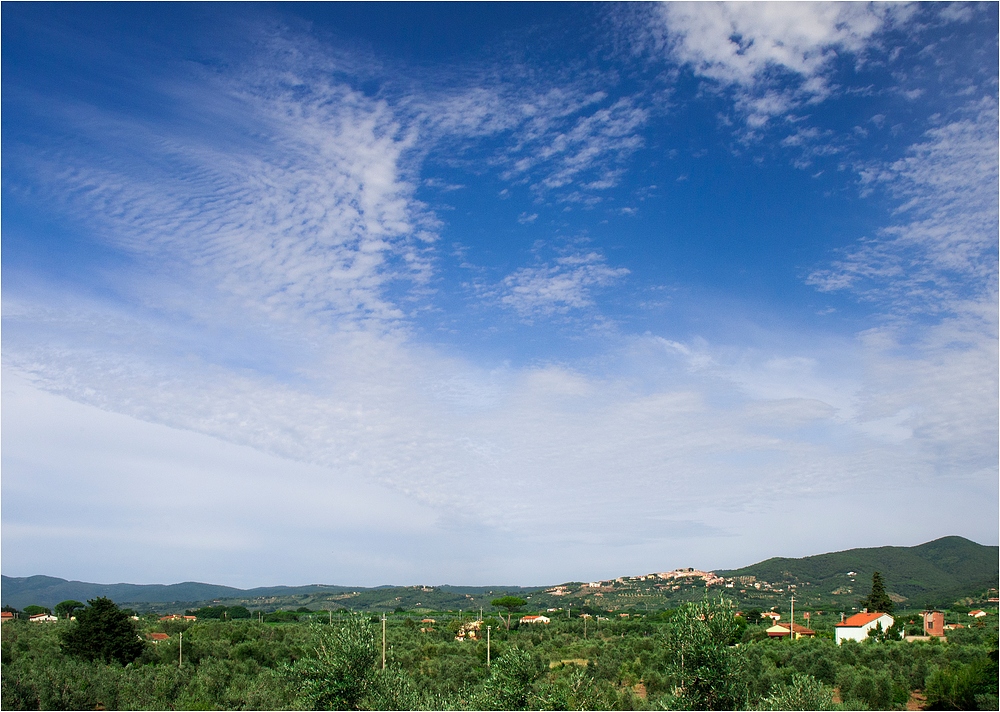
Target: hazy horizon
(449,584)
(455,292)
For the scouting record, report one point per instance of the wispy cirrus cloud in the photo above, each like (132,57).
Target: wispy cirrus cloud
(585,150)
(302,205)
(556,287)
(561,136)
(942,251)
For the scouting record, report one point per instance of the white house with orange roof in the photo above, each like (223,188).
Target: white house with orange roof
(534,619)
(856,627)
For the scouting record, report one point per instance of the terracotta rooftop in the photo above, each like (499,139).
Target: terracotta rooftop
(860,619)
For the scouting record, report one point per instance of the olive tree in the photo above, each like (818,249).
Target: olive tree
(706,668)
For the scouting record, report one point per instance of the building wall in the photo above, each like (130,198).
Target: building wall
(934,623)
(861,633)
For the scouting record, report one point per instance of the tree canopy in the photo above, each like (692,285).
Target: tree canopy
(510,604)
(66,609)
(103,632)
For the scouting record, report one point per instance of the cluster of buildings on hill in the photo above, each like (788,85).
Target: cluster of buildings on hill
(673,580)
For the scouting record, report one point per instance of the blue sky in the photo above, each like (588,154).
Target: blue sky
(448,293)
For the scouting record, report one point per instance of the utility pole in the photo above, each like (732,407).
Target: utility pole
(488,645)
(331,617)
(584,628)
(791,626)
(383,641)
(180,651)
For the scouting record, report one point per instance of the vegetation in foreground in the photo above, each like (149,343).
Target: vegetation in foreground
(699,656)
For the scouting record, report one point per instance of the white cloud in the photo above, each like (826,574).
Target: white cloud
(749,46)
(942,251)
(588,147)
(559,136)
(557,287)
(303,207)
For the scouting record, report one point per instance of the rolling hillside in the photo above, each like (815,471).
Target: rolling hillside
(930,574)
(933,574)
(48,591)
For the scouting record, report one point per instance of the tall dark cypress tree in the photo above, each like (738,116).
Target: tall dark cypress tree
(878,600)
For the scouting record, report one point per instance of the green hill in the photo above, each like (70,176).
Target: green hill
(48,591)
(931,574)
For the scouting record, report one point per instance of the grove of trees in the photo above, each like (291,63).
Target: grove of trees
(699,656)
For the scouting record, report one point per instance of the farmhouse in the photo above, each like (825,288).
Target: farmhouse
(6,616)
(977,613)
(780,630)
(42,618)
(856,627)
(534,619)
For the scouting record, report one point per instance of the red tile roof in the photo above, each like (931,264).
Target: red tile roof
(860,619)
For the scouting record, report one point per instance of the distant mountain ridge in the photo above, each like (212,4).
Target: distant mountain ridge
(930,574)
(48,590)
(926,575)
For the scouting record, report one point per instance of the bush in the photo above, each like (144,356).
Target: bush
(803,692)
(963,687)
(509,683)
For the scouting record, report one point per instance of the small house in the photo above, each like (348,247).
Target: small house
(534,619)
(42,618)
(6,616)
(157,637)
(858,626)
(780,630)
(977,614)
